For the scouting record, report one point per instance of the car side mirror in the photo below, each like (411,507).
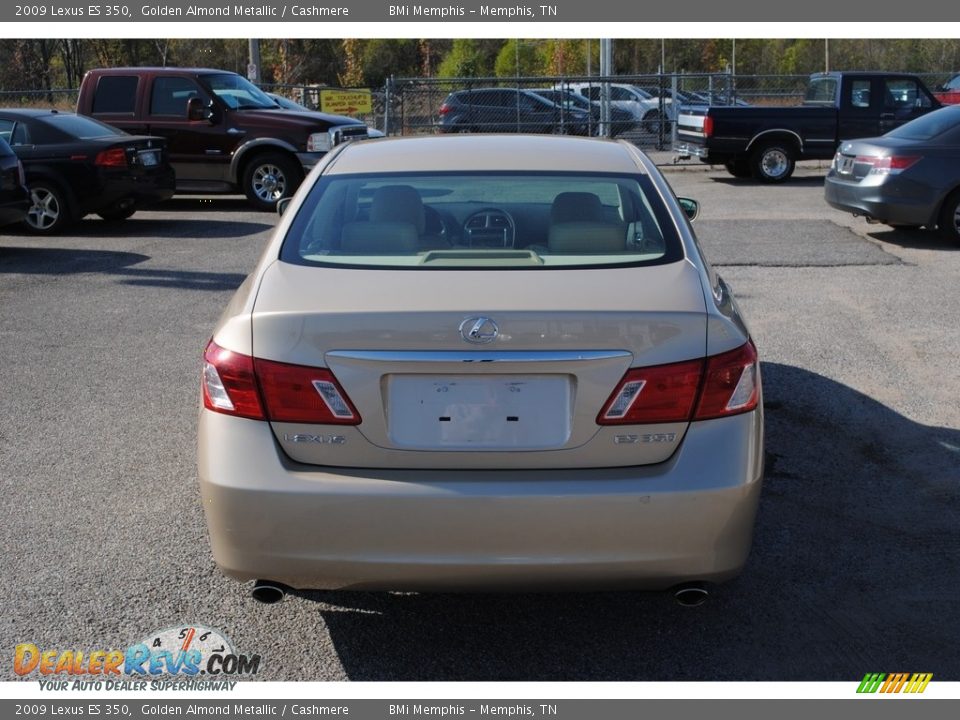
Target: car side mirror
(198,110)
(691,208)
(282,205)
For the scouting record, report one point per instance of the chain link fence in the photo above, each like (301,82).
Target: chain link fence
(639,108)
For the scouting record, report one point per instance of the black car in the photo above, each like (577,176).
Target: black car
(908,177)
(76,166)
(14,198)
(507,110)
(620,120)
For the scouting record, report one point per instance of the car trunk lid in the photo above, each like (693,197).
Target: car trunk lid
(479,369)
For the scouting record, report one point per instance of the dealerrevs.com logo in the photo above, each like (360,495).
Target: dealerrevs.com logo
(887,683)
(186,651)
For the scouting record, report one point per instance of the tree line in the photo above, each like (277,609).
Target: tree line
(45,64)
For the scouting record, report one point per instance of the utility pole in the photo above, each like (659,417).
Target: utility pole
(253,68)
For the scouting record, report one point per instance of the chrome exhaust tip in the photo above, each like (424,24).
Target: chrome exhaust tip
(268,592)
(692,595)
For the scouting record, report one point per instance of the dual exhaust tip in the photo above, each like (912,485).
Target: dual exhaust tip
(686,595)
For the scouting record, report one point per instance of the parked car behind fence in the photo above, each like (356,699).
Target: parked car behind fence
(510,110)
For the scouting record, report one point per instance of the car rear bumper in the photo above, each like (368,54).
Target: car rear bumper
(896,201)
(688,519)
(107,190)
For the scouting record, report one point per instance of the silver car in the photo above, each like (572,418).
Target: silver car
(482,362)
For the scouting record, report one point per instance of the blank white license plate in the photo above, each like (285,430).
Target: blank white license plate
(149,157)
(471,412)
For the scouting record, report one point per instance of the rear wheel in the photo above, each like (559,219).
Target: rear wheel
(773,162)
(270,177)
(739,167)
(48,213)
(651,122)
(949,222)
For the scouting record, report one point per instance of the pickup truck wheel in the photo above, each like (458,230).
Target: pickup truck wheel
(269,177)
(773,162)
(48,213)
(949,222)
(739,167)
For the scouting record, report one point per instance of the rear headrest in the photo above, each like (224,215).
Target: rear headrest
(576,207)
(379,238)
(398,203)
(587,238)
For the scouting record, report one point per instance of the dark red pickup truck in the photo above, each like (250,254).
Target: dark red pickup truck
(224,134)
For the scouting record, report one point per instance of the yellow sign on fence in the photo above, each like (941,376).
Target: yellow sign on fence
(346,102)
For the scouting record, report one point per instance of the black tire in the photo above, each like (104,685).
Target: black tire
(773,162)
(116,214)
(49,212)
(268,177)
(651,122)
(949,221)
(739,167)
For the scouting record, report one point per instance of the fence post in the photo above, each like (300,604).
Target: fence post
(386,105)
(676,113)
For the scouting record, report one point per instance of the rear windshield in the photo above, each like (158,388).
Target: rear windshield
(482,220)
(76,127)
(821,91)
(930,125)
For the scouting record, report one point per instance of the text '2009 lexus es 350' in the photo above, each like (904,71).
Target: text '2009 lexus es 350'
(482,362)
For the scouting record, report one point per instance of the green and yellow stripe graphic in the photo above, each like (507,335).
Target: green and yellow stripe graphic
(895,682)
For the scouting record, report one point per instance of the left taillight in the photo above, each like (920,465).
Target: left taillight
(114,157)
(707,126)
(229,383)
(237,384)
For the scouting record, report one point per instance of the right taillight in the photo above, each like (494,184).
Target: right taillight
(658,394)
(731,383)
(725,384)
(444,109)
(888,164)
(237,384)
(114,157)
(708,126)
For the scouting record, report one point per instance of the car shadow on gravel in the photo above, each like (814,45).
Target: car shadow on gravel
(147,227)
(854,568)
(67,261)
(915,238)
(804,180)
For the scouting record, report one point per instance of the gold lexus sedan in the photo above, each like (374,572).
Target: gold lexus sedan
(482,362)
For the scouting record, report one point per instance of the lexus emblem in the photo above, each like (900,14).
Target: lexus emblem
(479,330)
